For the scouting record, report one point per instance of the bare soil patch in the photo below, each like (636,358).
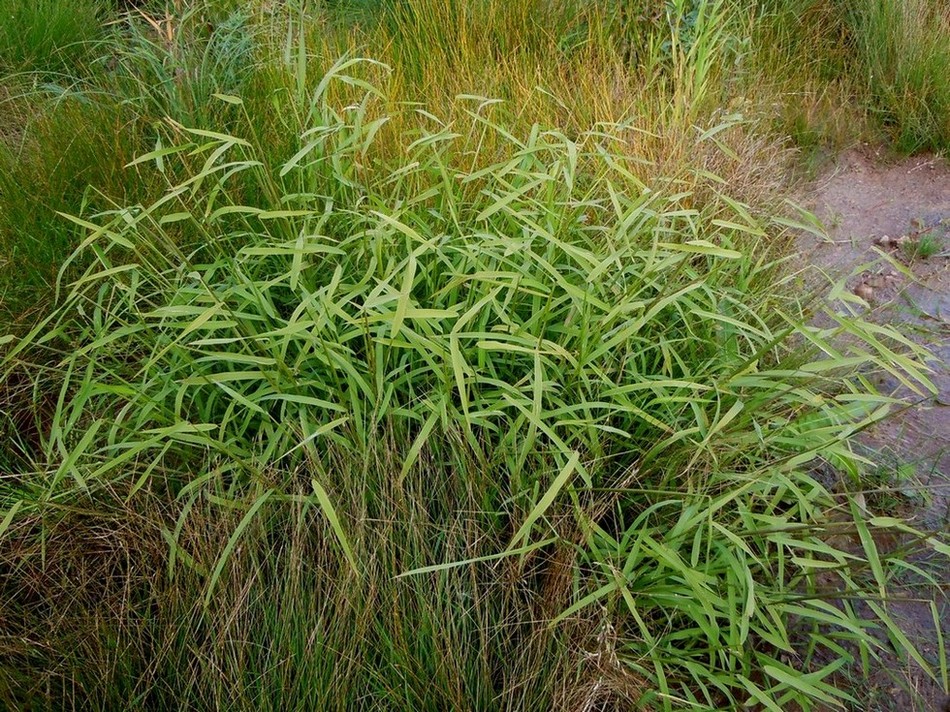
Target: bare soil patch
(888,226)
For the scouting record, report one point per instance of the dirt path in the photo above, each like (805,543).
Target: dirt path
(903,210)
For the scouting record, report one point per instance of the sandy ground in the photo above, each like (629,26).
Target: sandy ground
(868,205)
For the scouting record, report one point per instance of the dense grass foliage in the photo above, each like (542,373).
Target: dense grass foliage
(877,64)
(906,55)
(48,35)
(542,359)
(824,74)
(437,355)
(68,158)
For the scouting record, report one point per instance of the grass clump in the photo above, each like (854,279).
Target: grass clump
(452,431)
(463,376)
(170,65)
(69,157)
(49,36)
(853,70)
(926,245)
(905,53)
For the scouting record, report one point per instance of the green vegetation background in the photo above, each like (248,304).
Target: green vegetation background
(442,355)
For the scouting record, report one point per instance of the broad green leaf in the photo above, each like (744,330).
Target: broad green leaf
(478,560)
(330,513)
(546,500)
(232,542)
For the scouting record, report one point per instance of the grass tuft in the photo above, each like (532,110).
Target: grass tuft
(48,36)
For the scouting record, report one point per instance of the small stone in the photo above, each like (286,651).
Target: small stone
(884,241)
(861,502)
(864,291)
